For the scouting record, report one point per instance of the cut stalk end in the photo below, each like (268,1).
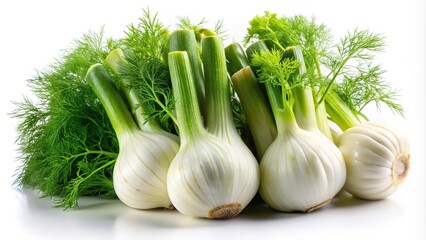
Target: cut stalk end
(115,59)
(318,206)
(226,211)
(400,168)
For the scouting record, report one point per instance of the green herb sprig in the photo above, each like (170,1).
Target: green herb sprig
(66,141)
(331,65)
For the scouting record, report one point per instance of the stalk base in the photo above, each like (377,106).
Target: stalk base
(400,168)
(226,211)
(311,209)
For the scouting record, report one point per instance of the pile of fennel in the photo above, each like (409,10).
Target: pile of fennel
(176,120)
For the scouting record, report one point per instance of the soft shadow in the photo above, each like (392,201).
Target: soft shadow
(161,218)
(346,200)
(113,217)
(95,203)
(33,201)
(261,211)
(39,213)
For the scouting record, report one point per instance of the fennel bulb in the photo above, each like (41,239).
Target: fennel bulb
(377,155)
(140,171)
(377,159)
(209,178)
(302,170)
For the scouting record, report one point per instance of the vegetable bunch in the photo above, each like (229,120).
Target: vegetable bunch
(174,119)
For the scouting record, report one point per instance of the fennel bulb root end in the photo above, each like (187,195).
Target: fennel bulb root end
(400,168)
(226,211)
(377,158)
(322,204)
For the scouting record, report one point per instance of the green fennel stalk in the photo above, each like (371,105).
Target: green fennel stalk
(236,58)
(304,106)
(282,63)
(116,61)
(339,112)
(275,74)
(185,40)
(187,109)
(115,107)
(256,107)
(219,119)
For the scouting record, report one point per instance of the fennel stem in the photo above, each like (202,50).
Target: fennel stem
(185,40)
(282,102)
(253,100)
(115,60)
(256,107)
(186,105)
(219,119)
(310,115)
(339,112)
(235,58)
(114,105)
(304,106)
(255,47)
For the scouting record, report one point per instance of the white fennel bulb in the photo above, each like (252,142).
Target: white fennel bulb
(377,158)
(140,171)
(209,179)
(302,170)
(212,176)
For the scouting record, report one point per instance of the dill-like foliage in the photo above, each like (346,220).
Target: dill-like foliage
(345,66)
(149,78)
(66,141)
(354,76)
(146,71)
(273,69)
(186,23)
(365,87)
(148,38)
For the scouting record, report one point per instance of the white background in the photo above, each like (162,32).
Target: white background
(32,34)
